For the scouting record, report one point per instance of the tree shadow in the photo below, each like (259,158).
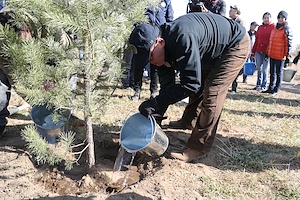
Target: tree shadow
(264,114)
(68,197)
(262,98)
(130,195)
(291,88)
(20,116)
(124,196)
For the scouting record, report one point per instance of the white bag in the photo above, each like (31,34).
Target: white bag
(3,96)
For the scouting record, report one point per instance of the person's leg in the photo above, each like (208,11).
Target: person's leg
(192,110)
(146,72)
(126,66)
(138,78)
(153,81)
(279,72)
(234,83)
(245,77)
(272,74)
(259,58)
(131,73)
(215,90)
(265,68)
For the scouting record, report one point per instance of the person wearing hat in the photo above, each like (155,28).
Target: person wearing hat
(207,61)
(234,13)
(157,15)
(279,48)
(252,33)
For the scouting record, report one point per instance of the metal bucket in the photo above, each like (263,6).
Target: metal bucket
(46,126)
(140,133)
(288,74)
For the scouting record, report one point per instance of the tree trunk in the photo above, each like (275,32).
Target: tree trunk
(89,125)
(90,141)
(90,157)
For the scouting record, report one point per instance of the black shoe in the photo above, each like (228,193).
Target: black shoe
(267,91)
(179,125)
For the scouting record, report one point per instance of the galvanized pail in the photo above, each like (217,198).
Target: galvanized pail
(288,74)
(140,133)
(46,126)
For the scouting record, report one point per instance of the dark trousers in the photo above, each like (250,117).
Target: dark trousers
(205,107)
(128,74)
(138,78)
(234,84)
(133,75)
(276,73)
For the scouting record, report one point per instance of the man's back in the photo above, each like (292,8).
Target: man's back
(212,33)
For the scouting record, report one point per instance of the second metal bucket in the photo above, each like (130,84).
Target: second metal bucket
(43,120)
(140,133)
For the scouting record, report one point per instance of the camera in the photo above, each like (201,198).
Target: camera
(195,6)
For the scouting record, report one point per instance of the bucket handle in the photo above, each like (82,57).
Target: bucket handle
(152,121)
(127,115)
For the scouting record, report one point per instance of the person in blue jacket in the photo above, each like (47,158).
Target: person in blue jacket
(133,74)
(157,16)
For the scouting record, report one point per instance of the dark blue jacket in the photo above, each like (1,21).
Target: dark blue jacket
(190,40)
(160,14)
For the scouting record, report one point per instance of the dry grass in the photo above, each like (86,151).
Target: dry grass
(256,154)
(258,142)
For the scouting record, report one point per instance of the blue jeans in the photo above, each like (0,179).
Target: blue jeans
(276,71)
(262,70)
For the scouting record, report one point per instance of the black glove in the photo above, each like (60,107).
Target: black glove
(148,107)
(266,57)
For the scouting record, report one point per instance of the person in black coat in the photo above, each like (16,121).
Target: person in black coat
(157,15)
(208,50)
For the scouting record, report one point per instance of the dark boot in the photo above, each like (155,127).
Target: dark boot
(179,125)
(267,91)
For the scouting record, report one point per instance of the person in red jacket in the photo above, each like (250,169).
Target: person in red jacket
(279,48)
(259,49)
